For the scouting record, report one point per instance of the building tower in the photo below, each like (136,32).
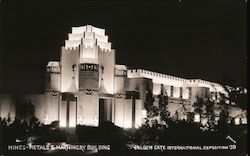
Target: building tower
(53,77)
(87,76)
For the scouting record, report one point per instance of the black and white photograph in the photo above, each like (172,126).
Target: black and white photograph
(97,77)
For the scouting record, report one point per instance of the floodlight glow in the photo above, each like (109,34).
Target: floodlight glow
(62,124)
(127,124)
(80,121)
(237,121)
(72,124)
(47,121)
(197,118)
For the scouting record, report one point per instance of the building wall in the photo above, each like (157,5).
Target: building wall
(107,61)
(164,79)
(158,78)
(69,57)
(238,113)
(88,51)
(213,87)
(108,110)
(123,113)
(138,112)
(173,108)
(87,110)
(171,91)
(53,82)
(156,88)
(176,104)
(185,93)
(176,92)
(141,85)
(121,83)
(46,106)
(199,92)
(72,113)
(53,108)
(119,112)
(53,77)
(7,106)
(121,80)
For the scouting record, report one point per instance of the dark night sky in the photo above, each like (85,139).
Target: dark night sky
(188,39)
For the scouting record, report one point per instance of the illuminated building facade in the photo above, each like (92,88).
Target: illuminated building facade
(87,87)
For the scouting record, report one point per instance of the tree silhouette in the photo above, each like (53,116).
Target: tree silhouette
(176,116)
(209,103)
(163,99)
(163,102)
(190,117)
(149,101)
(26,110)
(223,121)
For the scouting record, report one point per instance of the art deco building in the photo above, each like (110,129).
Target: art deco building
(87,87)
